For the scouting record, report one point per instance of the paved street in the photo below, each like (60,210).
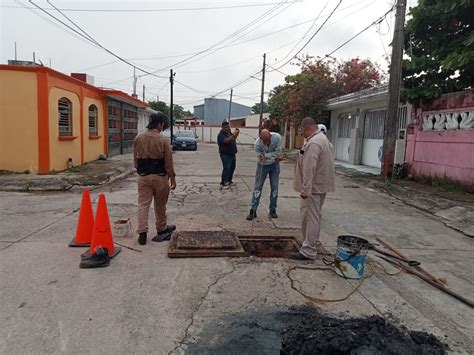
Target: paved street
(147,303)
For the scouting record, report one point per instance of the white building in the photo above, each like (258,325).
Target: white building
(357,126)
(144,118)
(248,121)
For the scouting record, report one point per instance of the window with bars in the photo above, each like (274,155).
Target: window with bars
(93,122)
(65,117)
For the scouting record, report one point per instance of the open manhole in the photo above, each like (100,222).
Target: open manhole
(189,244)
(269,247)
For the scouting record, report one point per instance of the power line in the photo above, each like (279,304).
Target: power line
(309,29)
(149,10)
(380,19)
(177,64)
(86,36)
(311,38)
(234,44)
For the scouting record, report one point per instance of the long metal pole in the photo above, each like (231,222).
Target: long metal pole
(143,92)
(262,92)
(391,118)
(171,104)
(16,58)
(230,102)
(134,83)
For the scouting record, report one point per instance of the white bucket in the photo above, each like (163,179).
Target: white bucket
(122,228)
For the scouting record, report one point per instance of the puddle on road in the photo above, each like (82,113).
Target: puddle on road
(305,330)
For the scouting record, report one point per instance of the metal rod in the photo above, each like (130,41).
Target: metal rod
(407,259)
(262,93)
(415,272)
(230,102)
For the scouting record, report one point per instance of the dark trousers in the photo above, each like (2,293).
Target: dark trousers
(228,168)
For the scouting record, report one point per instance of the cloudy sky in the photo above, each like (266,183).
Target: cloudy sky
(211,45)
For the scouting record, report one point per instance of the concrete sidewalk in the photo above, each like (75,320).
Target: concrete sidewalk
(90,175)
(147,303)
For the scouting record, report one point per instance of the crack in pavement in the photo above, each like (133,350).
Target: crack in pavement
(42,228)
(183,340)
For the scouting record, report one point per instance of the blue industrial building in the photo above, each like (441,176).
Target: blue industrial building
(213,111)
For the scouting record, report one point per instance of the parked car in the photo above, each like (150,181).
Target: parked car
(185,140)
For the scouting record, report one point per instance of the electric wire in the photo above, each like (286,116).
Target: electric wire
(86,36)
(235,33)
(151,10)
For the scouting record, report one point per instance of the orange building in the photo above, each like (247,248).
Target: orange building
(50,121)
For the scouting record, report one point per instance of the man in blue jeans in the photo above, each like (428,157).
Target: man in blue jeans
(227,151)
(268,148)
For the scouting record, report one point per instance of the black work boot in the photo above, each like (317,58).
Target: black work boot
(164,235)
(273,214)
(142,238)
(100,258)
(297,256)
(252,215)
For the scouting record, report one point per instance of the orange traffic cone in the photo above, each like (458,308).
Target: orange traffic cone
(85,224)
(102,233)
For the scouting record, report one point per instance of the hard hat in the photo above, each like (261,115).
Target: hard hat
(322,128)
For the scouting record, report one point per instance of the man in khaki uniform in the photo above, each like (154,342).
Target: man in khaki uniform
(314,177)
(154,163)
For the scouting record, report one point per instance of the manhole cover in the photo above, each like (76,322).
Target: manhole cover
(207,240)
(269,247)
(190,244)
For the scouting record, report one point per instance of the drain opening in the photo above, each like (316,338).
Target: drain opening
(269,247)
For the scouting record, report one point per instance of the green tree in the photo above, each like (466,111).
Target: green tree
(439,44)
(306,93)
(162,107)
(356,74)
(256,107)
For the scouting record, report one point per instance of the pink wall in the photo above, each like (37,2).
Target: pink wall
(443,153)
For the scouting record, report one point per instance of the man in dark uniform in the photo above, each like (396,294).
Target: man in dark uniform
(153,160)
(227,151)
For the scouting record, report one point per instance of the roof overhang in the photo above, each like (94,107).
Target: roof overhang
(363,96)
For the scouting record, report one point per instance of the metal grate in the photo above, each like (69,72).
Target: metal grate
(65,117)
(402,117)
(93,120)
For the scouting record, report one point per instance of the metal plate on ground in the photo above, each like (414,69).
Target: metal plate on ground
(189,244)
(207,240)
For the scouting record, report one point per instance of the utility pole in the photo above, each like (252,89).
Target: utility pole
(143,92)
(171,104)
(230,102)
(261,94)
(34,57)
(134,83)
(391,118)
(16,58)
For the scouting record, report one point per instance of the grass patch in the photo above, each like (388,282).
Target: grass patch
(447,185)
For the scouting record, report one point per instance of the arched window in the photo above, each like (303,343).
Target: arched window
(65,117)
(93,122)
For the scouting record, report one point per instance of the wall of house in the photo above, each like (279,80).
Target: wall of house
(18,121)
(356,148)
(440,140)
(63,148)
(93,145)
(208,134)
